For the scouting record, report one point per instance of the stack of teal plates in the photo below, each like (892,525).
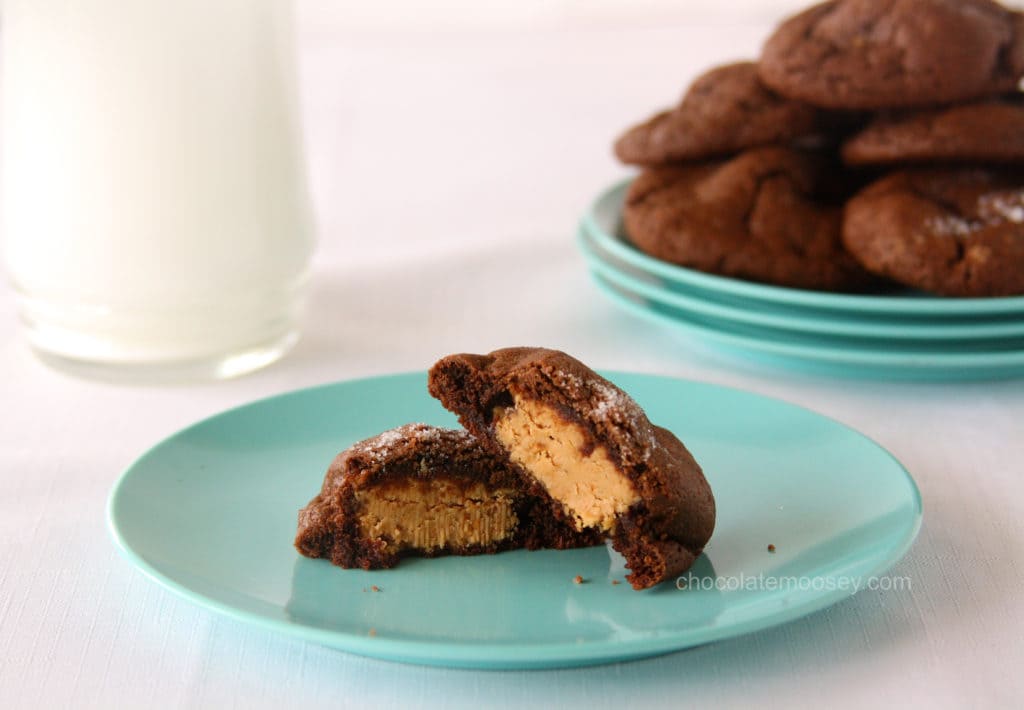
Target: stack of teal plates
(901,335)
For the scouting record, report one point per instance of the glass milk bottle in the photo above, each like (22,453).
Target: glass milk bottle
(155,212)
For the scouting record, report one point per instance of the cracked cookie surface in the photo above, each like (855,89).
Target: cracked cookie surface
(760,216)
(987,131)
(954,232)
(725,110)
(867,54)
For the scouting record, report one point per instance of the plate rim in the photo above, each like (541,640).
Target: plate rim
(932,306)
(490,656)
(969,365)
(820,324)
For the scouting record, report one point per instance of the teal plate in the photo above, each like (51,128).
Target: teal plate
(210,514)
(845,357)
(929,331)
(603,222)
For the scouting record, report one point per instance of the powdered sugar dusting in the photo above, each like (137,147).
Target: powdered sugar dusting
(610,399)
(1004,206)
(611,406)
(615,406)
(607,401)
(569,381)
(993,209)
(383,445)
(951,226)
(458,434)
(389,438)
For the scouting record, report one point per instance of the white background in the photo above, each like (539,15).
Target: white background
(449,166)
(414,15)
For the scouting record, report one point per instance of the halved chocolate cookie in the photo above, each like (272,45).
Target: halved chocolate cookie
(424,491)
(585,443)
(724,111)
(870,54)
(952,231)
(764,215)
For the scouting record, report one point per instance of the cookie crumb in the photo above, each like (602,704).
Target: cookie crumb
(578,579)
(615,581)
(771,548)
(375,588)
(372,632)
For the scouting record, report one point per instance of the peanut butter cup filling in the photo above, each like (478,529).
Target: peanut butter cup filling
(431,515)
(555,452)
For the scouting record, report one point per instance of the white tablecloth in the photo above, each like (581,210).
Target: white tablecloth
(448,174)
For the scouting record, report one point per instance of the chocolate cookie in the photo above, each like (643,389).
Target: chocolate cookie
(870,54)
(760,216)
(983,132)
(585,443)
(955,232)
(725,111)
(420,490)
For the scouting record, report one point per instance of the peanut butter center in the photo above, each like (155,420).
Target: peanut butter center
(589,485)
(436,514)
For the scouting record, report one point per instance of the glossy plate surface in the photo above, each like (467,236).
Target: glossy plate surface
(603,223)
(210,513)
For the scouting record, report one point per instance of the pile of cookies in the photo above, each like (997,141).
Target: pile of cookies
(875,143)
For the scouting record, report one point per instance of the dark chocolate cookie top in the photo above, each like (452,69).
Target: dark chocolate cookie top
(760,216)
(870,54)
(982,132)
(724,111)
(431,448)
(954,232)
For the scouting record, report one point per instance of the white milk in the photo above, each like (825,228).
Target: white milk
(155,207)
